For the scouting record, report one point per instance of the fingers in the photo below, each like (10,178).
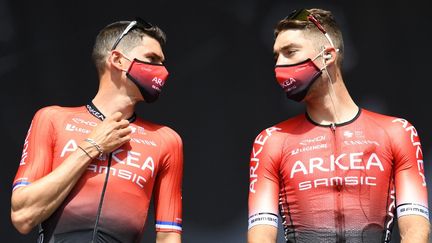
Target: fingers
(116,116)
(124,131)
(117,121)
(123,123)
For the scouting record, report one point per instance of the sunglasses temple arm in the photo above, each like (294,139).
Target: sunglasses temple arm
(128,28)
(319,26)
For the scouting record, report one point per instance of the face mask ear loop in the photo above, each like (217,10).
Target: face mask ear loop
(332,93)
(127,58)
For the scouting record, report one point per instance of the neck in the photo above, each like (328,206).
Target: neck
(111,98)
(333,104)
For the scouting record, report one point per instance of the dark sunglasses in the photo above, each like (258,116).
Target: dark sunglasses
(304,15)
(137,23)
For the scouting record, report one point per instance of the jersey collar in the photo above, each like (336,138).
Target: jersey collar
(92,109)
(337,124)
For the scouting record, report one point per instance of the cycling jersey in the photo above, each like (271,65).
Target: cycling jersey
(337,183)
(151,162)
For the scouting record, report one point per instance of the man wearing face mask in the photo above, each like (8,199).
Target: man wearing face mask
(87,173)
(337,173)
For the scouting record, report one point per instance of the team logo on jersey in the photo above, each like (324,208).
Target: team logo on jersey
(348,134)
(82,121)
(138,129)
(310,144)
(144,141)
(353,134)
(136,167)
(25,147)
(73,128)
(308,148)
(357,138)
(257,148)
(416,143)
(343,162)
(307,141)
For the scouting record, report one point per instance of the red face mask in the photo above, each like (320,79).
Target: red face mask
(296,79)
(149,77)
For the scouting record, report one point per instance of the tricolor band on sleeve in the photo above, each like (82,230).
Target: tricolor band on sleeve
(163,225)
(412,208)
(263,218)
(20,183)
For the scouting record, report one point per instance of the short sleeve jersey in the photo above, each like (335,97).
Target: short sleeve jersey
(151,163)
(340,183)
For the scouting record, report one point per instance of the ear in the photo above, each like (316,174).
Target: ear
(117,61)
(330,54)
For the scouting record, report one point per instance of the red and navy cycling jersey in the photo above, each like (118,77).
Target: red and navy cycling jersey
(150,164)
(337,183)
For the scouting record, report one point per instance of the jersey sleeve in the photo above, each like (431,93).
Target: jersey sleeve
(168,187)
(264,178)
(410,181)
(36,158)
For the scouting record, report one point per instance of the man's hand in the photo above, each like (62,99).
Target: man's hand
(110,134)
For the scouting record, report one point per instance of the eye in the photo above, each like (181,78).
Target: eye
(154,59)
(290,52)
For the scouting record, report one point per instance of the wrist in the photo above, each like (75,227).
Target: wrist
(90,150)
(95,145)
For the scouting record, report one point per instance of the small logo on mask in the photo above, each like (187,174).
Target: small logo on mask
(288,82)
(158,81)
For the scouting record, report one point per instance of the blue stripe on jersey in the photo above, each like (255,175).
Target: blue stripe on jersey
(168,223)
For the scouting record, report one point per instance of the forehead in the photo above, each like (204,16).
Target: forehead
(291,37)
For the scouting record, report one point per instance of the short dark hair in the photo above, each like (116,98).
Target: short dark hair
(326,19)
(109,34)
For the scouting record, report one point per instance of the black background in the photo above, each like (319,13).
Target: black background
(221,92)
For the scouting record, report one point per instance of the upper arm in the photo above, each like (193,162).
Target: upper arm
(264,179)
(168,186)
(410,182)
(36,159)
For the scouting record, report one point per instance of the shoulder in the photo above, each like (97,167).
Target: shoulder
(273,137)
(387,122)
(283,128)
(398,129)
(55,110)
(166,133)
(55,113)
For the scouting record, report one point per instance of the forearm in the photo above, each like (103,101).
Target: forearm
(260,239)
(34,203)
(168,237)
(262,234)
(416,235)
(414,229)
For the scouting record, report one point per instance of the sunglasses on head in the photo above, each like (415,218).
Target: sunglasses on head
(137,23)
(305,15)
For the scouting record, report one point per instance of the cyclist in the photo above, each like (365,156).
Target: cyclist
(337,173)
(87,173)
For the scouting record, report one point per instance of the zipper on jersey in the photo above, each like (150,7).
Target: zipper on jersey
(99,212)
(339,216)
(92,109)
